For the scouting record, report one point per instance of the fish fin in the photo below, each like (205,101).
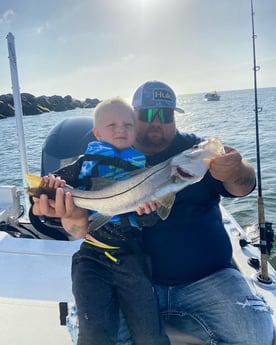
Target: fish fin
(37,186)
(33,180)
(97,221)
(166,202)
(163,212)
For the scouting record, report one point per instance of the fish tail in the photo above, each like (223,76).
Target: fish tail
(34,181)
(37,186)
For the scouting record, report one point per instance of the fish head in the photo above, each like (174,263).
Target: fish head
(194,162)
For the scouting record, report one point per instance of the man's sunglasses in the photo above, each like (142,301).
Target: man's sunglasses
(165,115)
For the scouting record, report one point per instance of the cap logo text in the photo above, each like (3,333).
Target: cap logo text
(162,94)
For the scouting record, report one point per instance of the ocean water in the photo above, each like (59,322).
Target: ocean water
(232,119)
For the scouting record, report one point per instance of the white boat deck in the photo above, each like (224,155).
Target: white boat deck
(36,269)
(240,258)
(36,278)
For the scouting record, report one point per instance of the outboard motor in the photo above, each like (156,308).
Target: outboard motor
(66,141)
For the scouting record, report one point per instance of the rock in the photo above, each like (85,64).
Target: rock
(6,109)
(32,105)
(29,104)
(90,103)
(43,101)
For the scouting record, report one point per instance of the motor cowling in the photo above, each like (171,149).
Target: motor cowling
(65,142)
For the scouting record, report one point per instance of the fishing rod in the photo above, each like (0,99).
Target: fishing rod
(265,228)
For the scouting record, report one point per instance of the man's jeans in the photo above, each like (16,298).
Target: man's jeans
(220,309)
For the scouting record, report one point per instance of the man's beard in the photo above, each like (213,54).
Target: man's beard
(149,140)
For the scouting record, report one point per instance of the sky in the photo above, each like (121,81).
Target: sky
(106,48)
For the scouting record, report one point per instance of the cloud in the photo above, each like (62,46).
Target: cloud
(7,16)
(128,57)
(39,29)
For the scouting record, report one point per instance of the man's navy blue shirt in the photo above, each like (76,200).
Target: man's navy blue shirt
(192,242)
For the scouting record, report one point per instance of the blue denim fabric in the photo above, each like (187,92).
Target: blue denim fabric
(220,309)
(101,287)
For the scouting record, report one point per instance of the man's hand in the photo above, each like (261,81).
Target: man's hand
(226,167)
(74,219)
(237,175)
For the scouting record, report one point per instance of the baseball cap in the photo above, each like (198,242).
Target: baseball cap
(154,94)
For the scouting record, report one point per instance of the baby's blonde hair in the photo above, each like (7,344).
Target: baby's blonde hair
(100,108)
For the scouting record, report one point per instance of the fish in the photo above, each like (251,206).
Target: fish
(157,183)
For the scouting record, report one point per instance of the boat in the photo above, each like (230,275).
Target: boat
(35,275)
(35,263)
(37,305)
(212,96)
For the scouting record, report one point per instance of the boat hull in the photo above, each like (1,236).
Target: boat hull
(211,97)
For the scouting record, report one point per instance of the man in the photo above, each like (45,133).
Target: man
(199,290)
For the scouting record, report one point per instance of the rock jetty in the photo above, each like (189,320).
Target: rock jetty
(32,105)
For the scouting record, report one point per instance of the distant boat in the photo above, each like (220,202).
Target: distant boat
(212,96)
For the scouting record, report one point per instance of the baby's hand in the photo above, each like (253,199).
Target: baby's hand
(148,207)
(53,181)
